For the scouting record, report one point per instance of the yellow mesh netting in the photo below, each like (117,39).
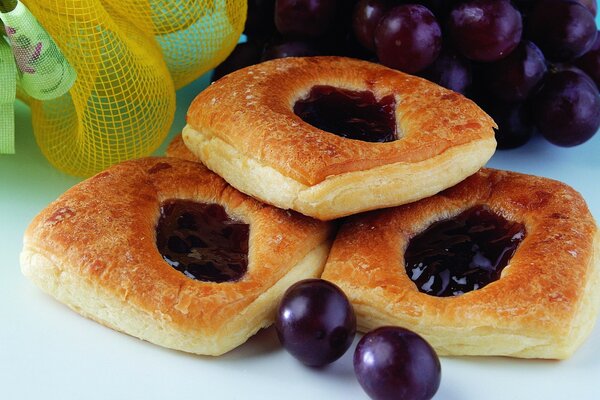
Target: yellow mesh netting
(129,56)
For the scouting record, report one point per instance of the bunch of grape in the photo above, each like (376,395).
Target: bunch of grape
(533,65)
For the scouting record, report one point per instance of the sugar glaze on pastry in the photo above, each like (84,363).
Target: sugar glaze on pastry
(95,249)
(544,302)
(248,128)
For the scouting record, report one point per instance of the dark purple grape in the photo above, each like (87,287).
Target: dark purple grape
(450,70)
(563,29)
(304,18)
(566,110)
(367,14)
(590,61)
(591,5)
(554,68)
(485,30)
(291,48)
(515,126)
(315,322)
(514,77)
(244,54)
(393,363)
(260,20)
(408,38)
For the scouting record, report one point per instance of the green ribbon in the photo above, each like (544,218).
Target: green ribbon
(8,90)
(43,72)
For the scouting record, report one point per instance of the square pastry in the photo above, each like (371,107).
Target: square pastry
(501,264)
(166,251)
(332,136)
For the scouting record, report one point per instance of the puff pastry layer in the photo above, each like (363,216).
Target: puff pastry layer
(243,127)
(543,306)
(94,249)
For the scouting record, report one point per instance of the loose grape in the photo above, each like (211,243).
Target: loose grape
(485,30)
(315,322)
(408,38)
(393,363)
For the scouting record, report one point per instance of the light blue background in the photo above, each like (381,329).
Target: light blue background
(47,351)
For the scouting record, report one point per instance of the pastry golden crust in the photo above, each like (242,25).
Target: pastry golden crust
(543,306)
(95,249)
(178,149)
(243,127)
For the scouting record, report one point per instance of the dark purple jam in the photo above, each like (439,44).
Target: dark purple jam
(349,114)
(202,241)
(463,253)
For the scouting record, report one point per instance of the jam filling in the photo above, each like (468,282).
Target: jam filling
(349,114)
(202,241)
(463,253)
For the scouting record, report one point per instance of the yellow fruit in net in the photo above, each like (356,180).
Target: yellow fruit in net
(130,56)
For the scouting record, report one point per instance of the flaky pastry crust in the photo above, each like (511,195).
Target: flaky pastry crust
(94,249)
(243,127)
(543,306)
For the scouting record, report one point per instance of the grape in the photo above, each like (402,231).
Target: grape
(566,110)
(590,5)
(260,20)
(512,78)
(485,30)
(304,18)
(393,363)
(243,55)
(315,322)
(515,126)
(408,38)
(563,29)
(367,14)
(450,70)
(590,61)
(291,48)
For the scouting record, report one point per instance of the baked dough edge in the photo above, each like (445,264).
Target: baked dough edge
(97,303)
(493,341)
(344,194)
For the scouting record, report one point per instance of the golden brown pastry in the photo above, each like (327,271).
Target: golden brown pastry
(165,250)
(391,264)
(397,138)
(178,149)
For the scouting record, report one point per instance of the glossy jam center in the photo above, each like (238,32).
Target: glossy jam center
(202,241)
(349,114)
(463,253)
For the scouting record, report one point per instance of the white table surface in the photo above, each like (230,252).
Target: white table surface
(49,352)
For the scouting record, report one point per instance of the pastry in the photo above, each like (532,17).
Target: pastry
(330,136)
(178,149)
(501,264)
(165,250)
